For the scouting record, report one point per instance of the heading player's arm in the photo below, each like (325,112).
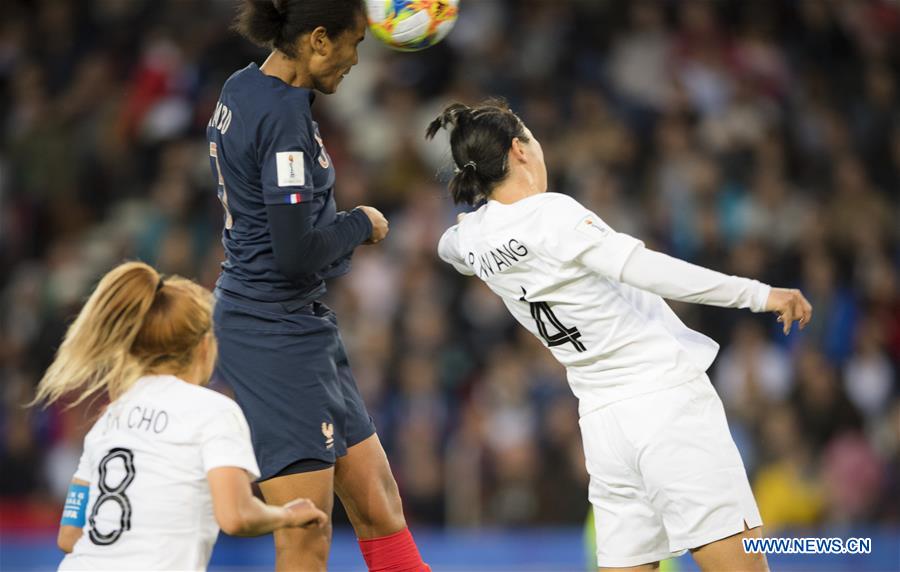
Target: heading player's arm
(239,513)
(286,153)
(301,249)
(73,518)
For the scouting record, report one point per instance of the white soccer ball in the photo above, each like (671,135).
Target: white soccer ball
(411,25)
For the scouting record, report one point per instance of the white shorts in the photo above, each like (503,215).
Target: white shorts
(666,475)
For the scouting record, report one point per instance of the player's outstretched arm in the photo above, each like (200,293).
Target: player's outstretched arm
(676,279)
(239,513)
(679,280)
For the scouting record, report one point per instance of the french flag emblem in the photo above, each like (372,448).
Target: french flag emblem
(292,199)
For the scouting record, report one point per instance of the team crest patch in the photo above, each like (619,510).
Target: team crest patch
(289,165)
(328,432)
(323,155)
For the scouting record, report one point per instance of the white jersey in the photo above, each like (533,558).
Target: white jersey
(146,460)
(557,266)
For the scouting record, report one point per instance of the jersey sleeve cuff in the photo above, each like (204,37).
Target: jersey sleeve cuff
(247,464)
(760,296)
(365,221)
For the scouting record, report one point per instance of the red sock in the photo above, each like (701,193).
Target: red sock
(393,553)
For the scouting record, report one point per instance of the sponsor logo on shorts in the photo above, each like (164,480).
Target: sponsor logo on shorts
(328,431)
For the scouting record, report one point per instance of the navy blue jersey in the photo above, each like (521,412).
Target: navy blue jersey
(265,149)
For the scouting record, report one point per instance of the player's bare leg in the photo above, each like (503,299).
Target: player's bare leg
(300,548)
(642,568)
(728,554)
(366,487)
(368,491)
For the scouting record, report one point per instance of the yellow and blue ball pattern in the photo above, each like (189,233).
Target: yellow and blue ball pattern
(411,25)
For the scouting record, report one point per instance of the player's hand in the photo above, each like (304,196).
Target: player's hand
(303,513)
(380,224)
(791,306)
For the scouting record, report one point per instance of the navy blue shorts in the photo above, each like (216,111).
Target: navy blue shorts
(290,374)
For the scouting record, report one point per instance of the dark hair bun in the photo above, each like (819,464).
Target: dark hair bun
(480,139)
(277,24)
(260,22)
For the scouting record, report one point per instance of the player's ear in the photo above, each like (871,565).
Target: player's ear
(518,150)
(319,41)
(208,351)
(207,344)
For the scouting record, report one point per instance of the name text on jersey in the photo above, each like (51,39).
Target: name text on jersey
(497,259)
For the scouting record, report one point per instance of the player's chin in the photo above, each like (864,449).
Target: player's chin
(338,80)
(332,85)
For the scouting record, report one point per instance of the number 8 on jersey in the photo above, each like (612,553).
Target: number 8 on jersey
(115,494)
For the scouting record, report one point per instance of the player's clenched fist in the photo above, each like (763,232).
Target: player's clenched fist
(790,305)
(303,513)
(380,224)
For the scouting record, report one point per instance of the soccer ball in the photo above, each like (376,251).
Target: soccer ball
(411,25)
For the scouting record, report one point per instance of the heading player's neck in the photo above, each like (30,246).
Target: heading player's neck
(282,67)
(516,186)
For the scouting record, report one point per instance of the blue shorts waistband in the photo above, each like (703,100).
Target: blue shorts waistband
(303,305)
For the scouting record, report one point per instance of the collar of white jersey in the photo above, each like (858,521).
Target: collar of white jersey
(151,379)
(518,202)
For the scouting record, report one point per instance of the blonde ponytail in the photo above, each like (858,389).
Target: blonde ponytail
(132,325)
(96,352)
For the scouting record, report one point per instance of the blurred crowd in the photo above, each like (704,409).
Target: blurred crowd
(755,138)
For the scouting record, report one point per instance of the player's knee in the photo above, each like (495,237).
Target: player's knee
(382,512)
(312,544)
(391,494)
(391,491)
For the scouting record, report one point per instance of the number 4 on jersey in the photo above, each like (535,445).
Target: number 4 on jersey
(563,334)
